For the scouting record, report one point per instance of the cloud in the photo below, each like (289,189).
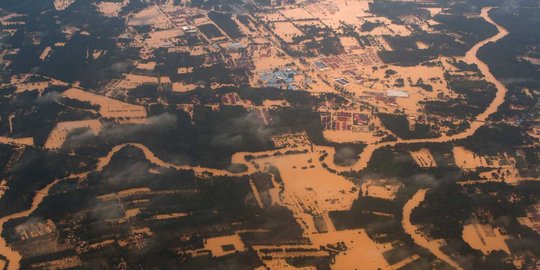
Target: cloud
(425,180)
(237,128)
(78,138)
(345,156)
(130,173)
(119,132)
(48,98)
(104,211)
(510,5)
(121,67)
(161,121)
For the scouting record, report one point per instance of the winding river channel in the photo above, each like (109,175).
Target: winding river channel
(471,57)
(13,257)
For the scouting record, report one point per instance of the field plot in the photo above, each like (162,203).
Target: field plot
(332,13)
(424,158)
(466,159)
(310,190)
(225,22)
(147,66)
(59,134)
(164,38)
(485,238)
(286,31)
(380,188)
(224,245)
(183,87)
(150,16)
(349,42)
(210,30)
(110,108)
(298,13)
(109,9)
(272,17)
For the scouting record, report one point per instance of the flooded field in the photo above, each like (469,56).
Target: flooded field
(224,245)
(424,158)
(485,238)
(466,159)
(111,9)
(29,141)
(310,190)
(361,253)
(109,107)
(59,134)
(380,188)
(287,31)
(333,12)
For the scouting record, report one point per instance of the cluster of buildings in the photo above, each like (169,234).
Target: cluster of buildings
(34,229)
(240,60)
(279,78)
(291,140)
(231,99)
(380,97)
(342,81)
(263,50)
(342,120)
(348,60)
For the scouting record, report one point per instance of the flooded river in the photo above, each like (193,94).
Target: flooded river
(430,244)
(471,57)
(13,256)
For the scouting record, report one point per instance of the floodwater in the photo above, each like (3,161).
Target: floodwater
(424,158)
(217,245)
(485,238)
(362,252)
(59,134)
(412,230)
(289,173)
(466,159)
(471,57)
(5,250)
(109,107)
(311,190)
(110,9)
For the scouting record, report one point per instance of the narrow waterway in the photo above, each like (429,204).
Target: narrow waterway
(432,245)
(11,255)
